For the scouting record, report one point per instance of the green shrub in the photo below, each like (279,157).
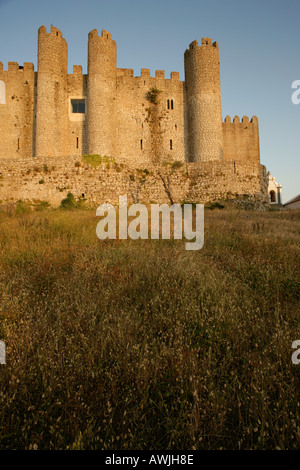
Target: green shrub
(22,207)
(42,205)
(70,202)
(152,95)
(92,159)
(96,160)
(176,165)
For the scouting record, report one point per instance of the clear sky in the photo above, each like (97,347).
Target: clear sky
(259,42)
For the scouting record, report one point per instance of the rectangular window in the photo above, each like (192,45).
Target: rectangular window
(171,145)
(78,106)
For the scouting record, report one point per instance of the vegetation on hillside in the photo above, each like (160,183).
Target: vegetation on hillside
(144,345)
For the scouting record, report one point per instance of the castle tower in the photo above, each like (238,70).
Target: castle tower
(203,97)
(52,105)
(101,105)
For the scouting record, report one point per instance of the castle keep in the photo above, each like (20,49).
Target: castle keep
(50,115)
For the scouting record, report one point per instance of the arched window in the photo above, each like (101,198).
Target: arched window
(272,196)
(2,92)
(168,104)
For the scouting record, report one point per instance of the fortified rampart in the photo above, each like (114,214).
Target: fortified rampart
(51,179)
(142,121)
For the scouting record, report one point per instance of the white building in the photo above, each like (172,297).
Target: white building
(274,190)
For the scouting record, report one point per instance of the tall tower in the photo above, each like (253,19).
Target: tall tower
(52,105)
(203,95)
(101,106)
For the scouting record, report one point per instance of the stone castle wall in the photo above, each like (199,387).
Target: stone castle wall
(51,179)
(185,122)
(241,139)
(143,122)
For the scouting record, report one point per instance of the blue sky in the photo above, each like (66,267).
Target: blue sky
(259,44)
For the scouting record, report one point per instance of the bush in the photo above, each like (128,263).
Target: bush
(96,160)
(93,159)
(22,207)
(70,202)
(152,95)
(42,205)
(176,165)
(216,205)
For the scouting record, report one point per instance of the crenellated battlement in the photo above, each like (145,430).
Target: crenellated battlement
(204,43)
(104,34)
(146,74)
(125,72)
(54,32)
(237,120)
(77,69)
(160,74)
(15,67)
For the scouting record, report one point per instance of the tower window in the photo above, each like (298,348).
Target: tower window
(171,144)
(141,143)
(170,104)
(78,106)
(77,142)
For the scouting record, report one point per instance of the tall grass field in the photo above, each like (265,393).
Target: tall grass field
(140,344)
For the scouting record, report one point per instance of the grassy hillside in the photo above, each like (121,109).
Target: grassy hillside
(144,345)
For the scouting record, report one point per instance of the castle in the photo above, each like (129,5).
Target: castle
(50,114)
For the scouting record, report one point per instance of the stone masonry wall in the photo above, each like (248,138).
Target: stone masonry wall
(241,139)
(52,179)
(152,131)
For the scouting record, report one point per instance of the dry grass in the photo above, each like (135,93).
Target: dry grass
(143,345)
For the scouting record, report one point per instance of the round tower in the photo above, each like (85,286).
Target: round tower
(101,106)
(52,105)
(203,98)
